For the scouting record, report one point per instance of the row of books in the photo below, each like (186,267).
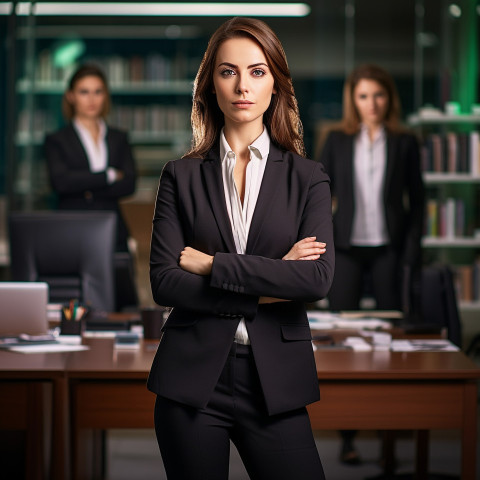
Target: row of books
(445,219)
(451,153)
(467,281)
(119,70)
(153,118)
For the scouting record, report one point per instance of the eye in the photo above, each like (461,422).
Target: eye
(258,72)
(227,72)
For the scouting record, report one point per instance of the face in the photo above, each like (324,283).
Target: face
(371,102)
(88,97)
(243,82)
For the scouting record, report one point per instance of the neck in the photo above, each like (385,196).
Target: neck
(373,129)
(239,138)
(88,122)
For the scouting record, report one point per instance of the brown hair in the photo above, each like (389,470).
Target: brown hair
(282,118)
(351,120)
(87,70)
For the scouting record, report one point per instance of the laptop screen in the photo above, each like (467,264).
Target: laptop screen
(23,307)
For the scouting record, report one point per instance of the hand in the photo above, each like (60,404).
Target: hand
(195,261)
(306,249)
(118,174)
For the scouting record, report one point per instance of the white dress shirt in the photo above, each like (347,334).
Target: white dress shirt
(241,215)
(369,165)
(97,152)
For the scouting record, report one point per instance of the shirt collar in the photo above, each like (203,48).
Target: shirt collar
(260,147)
(363,134)
(101,125)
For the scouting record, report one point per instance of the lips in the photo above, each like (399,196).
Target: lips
(243,102)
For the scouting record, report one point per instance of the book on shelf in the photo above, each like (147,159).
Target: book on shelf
(467,281)
(445,219)
(451,152)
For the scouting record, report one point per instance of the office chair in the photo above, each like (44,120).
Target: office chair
(73,251)
(429,303)
(439,302)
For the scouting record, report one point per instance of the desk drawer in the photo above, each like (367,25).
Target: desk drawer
(111,404)
(389,405)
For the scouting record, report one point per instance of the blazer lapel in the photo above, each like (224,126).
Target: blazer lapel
(268,192)
(212,172)
(349,167)
(76,143)
(391,149)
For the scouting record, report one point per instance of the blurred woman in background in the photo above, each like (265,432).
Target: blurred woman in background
(91,165)
(378,198)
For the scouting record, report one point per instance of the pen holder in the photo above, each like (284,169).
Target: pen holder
(73,320)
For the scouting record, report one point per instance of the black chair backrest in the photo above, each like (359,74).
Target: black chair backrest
(72,251)
(438,300)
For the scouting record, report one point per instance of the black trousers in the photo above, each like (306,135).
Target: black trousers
(381,264)
(195,444)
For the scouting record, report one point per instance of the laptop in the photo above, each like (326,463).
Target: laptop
(23,308)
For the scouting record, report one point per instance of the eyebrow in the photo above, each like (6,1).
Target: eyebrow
(227,64)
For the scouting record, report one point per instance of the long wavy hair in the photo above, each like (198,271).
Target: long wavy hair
(282,117)
(86,70)
(351,119)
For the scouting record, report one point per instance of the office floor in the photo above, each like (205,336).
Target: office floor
(134,454)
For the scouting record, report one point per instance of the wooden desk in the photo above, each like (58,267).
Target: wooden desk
(22,382)
(399,391)
(374,390)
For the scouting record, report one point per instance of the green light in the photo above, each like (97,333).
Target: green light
(67,52)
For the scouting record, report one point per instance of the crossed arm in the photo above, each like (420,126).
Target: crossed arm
(195,261)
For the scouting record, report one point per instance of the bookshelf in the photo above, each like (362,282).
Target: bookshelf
(450,152)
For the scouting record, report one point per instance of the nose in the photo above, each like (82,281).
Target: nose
(242,86)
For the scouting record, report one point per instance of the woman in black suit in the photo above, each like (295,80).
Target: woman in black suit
(378,197)
(242,237)
(91,165)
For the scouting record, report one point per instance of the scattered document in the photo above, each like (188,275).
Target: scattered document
(328,320)
(358,344)
(437,345)
(48,348)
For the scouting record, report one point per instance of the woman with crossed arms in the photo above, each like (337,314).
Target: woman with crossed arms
(242,238)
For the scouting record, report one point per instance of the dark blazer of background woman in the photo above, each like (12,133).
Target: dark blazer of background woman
(294,203)
(80,189)
(403,182)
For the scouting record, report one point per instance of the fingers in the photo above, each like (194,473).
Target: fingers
(306,249)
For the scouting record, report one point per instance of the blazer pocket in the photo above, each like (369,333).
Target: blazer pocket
(178,322)
(296,332)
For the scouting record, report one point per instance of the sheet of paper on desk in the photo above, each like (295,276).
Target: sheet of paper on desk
(48,348)
(326,320)
(437,345)
(321,320)
(364,323)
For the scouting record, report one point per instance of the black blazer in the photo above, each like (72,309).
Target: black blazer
(80,189)
(294,202)
(403,179)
